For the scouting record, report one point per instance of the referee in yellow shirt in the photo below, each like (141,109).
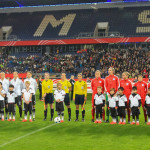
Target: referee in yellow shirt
(66,86)
(47,94)
(80,95)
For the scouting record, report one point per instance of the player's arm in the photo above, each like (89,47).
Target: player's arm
(74,91)
(2,94)
(85,91)
(30,97)
(139,100)
(43,91)
(24,98)
(35,85)
(21,85)
(69,86)
(51,86)
(106,85)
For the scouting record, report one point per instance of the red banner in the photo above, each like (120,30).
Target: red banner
(75,41)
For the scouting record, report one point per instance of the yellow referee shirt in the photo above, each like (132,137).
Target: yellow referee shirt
(65,85)
(80,88)
(47,86)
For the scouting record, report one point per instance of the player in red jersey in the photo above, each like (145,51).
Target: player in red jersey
(111,81)
(127,85)
(98,81)
(142,90)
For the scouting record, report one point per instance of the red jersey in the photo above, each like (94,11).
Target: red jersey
(111,81)
(141,89)
(127,85)
(97,82)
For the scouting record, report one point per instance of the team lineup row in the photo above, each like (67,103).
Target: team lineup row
(117,96)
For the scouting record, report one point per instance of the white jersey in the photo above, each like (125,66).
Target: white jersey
(59,94)
(1,97)
(33,84)
(99,99)
(27,94)
(5,84)
(112,101)
(134,100)
(122,100)
(11,97)
(18,86)
(147,99)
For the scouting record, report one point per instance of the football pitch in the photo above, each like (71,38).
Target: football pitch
(72,135)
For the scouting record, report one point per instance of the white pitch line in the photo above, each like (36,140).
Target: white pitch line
(14,140)
(17,139)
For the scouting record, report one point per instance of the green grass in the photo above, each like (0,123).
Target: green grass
(72,135)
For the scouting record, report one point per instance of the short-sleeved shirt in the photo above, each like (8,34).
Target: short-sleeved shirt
(134,100)
(59,94)
(122,100)
(11,97)
(27,94)
(112,101)
(99,99)
(1,97)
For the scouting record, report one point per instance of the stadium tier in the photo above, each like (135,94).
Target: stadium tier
(73,23)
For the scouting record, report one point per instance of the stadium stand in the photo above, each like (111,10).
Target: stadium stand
(70,23)
(133,60)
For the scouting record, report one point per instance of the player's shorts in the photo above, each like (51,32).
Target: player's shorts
(135,111)
(99,108)
(66,99)
(28,107)
(60,106)
(113,112)
(121,111)
(33,100)
(11,107)
(49,98)
(2,104)
(148,110)
(18,100)
(79,99)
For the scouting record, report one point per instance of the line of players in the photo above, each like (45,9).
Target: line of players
(111,84)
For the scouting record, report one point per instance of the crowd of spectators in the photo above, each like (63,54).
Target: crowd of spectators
(134,60)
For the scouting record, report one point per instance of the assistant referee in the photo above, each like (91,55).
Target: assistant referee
(47,95)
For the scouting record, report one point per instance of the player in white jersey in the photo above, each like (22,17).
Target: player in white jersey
(122,106)
(33,86)
(11,102)
(5,85)
(2,101)
(59,96)
(135,104)
(113,105)
(18,86)
(99,104)
(27,98)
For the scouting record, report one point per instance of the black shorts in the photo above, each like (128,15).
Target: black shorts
(148,110)
(79,99)
(121,111)
(113,112)
(60,106)
(33,100)
(49,98)
(99,109)
(18,100)
(28,107)
(11,107)
(67,99)
(2,104)
(135,111)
